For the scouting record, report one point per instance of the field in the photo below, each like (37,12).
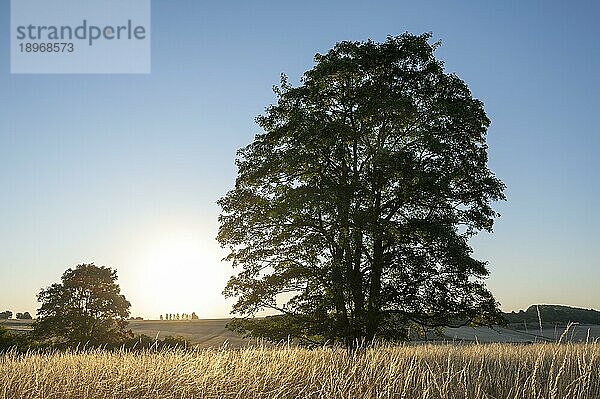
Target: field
(459,368)
(204,333)
(537,371)
(211,333)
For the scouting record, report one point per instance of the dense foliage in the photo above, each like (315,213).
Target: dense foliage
(7,314)
(358,199)
(23,316)
(85,308)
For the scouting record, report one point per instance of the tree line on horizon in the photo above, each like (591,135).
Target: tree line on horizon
(6,315)
(177,316)
(551,314)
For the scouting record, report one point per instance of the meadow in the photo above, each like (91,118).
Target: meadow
(465,371)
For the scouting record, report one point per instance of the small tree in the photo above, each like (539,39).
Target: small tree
(7,314)
(194,316)
(23,316)
(86,307)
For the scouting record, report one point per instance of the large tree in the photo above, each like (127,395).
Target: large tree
(87,307)
(358,199)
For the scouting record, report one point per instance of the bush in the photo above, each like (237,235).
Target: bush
(10,340)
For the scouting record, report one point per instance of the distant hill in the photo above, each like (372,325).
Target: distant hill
(553,314)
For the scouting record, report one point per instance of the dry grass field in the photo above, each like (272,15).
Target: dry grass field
(492,371)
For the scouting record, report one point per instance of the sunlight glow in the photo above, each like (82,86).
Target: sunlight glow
(180,274)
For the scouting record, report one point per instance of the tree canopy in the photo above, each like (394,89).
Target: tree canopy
(352,210)
(87,307)
(23,316)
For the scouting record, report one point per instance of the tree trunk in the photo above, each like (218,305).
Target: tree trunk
(374,303)
(358,299)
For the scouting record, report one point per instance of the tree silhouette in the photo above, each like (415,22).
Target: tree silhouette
(7,314)
(194,316)
(86,307)
(23,316)
(359,198)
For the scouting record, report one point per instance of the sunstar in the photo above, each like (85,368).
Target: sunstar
(82,32)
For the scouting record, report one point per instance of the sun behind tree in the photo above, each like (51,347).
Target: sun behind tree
(87,307)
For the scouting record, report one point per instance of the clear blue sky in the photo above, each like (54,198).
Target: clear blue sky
(125,170)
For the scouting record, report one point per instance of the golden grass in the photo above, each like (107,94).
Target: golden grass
(428,371)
